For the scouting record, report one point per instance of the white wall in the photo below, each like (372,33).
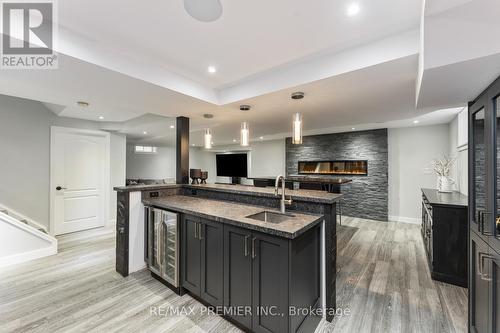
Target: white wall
(118,160)
(459,150)
(151,166)
(411,151)
(25,146)
(266,158)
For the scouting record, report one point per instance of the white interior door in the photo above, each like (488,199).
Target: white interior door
(79,179)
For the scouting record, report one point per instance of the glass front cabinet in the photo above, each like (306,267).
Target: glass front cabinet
(484,211)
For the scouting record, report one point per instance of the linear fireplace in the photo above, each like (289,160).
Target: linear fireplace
(336,167)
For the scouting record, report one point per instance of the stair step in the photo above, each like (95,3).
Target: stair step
(42,230)
(4,211)
(24,221)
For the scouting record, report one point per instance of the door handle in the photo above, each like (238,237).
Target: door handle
(253,248)
(200,232)
(482,257)
(246,245)
(196,230)
(61,188)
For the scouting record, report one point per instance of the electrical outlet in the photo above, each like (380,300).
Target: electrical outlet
(154,194)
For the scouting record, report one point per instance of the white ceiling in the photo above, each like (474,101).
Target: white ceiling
(249,38)
(135,61)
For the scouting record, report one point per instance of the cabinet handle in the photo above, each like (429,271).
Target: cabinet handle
(253,248)
(246,245)
(481,219)
(200,232)
(482,257)
(196,230)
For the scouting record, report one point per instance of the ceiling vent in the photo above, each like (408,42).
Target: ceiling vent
(297,95)
(245,107)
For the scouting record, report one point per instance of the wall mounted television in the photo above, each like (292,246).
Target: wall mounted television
(232,165)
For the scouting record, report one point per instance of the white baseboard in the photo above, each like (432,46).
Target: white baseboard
(412,220)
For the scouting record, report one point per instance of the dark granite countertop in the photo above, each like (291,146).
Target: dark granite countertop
(152,187)
(235,214)
(301,195)
(310,179)
(445,199)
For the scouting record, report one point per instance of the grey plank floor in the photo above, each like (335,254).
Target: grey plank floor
(383,285)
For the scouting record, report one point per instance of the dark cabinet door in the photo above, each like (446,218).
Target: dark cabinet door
(495,291)
(212,263)
(479,285)
(482,124)
(270,283)
(238,274)
(494,219)
(191,254)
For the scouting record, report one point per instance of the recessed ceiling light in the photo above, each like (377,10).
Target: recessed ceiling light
(234,140)
(101,117)
(415,121)
(353,128)
(353,9)
(212,69)
(82,104)
(172,126)
(262,138)
(193,145)
(144,132)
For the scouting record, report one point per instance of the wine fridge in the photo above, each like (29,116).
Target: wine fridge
(162,244)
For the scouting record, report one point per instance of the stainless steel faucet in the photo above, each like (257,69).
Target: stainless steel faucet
(283,200)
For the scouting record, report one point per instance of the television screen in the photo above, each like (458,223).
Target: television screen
(232,165)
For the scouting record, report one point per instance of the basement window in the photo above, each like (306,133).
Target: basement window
(146,150)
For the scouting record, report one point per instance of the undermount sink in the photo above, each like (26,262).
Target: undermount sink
(270,217)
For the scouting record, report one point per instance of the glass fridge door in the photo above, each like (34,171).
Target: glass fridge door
(170,247)
(154,254)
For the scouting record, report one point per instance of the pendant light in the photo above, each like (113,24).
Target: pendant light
(245,134)
(208,139)
(297,129)
(297,121)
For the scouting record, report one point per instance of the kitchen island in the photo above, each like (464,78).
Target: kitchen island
(290,263)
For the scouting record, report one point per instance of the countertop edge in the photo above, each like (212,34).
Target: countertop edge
(140,188)
(219,219)
(461,196)
(267,195)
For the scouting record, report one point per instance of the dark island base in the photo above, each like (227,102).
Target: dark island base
(324,204)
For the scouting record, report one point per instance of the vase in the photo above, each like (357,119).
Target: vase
(445,184)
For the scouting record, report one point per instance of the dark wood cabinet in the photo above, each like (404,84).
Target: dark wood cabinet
(191,254)
(479,287)
(202,259)
(270,283)
(444,233)
(212,262)
(484,216)
(265,276)
(238,273)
